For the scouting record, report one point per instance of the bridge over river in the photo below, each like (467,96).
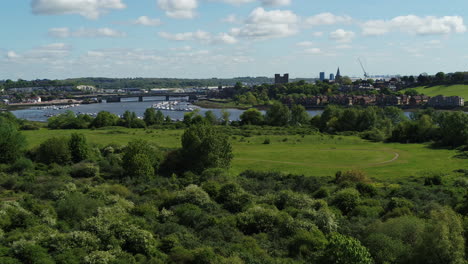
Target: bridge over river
(144,97)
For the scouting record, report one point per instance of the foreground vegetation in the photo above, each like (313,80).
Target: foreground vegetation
(180,193)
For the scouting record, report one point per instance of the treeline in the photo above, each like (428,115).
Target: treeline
(449,129)
(440,78)
(68,201)
(262,94)
(143,83)
(443,128)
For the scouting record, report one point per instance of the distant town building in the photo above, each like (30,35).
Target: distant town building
(86,88)
(281,79)
(322,76)
(446,101)
(332,77)
(338,76)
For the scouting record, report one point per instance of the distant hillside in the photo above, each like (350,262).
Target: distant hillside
(144,83)
(446,90)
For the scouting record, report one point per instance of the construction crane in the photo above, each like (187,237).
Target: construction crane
(365,73)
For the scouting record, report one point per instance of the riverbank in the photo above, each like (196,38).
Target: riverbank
(221,104)
(18,106)
(230,104)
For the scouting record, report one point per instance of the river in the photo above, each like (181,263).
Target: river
(37,114)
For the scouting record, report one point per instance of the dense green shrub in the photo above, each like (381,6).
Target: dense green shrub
(12,142)
(84,170)
(54,150)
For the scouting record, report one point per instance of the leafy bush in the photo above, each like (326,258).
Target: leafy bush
(54,150)
(346,200)
(351,176)
(84,170)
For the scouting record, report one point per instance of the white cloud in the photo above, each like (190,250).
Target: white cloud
(59,32)
(232,19)
(313,51)
(429,25)
(327,19)
(187,36)
(182,9)
(201,36)
(305,44)
(317,34)
(146,21)
(12,55)
(344,46)
(225,38)
(91,9)
(262,2)
(262,24)
(46,53)
(85,33)
(184,48)
(341,35)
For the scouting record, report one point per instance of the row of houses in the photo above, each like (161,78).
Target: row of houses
(446,101)
(380,100)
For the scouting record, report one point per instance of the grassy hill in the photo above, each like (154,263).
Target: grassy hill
(446,90)
(311,155)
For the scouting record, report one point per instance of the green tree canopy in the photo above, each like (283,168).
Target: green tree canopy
(141,159)
(251,117)
(54,150)
(104,119)
(78,147)
(12,142)
(278,115)
(346,250)
(204,147)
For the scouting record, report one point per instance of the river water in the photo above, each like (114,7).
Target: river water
(36,114)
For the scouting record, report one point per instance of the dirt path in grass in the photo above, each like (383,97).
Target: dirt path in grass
(395,158)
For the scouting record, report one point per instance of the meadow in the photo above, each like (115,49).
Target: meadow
(446,90)
(310,155)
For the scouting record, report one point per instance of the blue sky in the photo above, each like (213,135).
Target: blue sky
(229,38)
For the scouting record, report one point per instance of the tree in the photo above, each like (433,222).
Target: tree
(411,92)
(251,117)
(150,116)
(141,159)
(159,119)
(346,250)
(299,115)
(278,115)
(453,128)
(204,147)
(54,150)
(139,166)
(346,200)
(225,117)
(211,118)
(104,119)
(131,120)
(78,147)
(346,80)
(395,114)
(12,142)
(440,77)
(444,242)
(306,244)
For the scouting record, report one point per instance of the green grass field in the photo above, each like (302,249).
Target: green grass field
(312,155)
(446,90)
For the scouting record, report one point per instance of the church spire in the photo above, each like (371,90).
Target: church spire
(338,74)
